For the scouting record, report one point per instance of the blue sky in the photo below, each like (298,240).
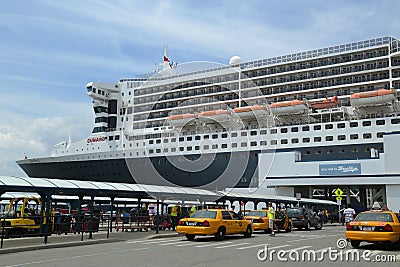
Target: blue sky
(50,49)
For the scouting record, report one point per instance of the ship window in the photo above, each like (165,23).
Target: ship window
(234,134)
(173,149)
(367,149)
(294,129)
(189,148)
(263,143)
(317,127)
(341,137)
(189,138)
(295,140)
(328,126)
(307,152)
(243,133)
(173,139)
(353,136)
(395,121)
(284,130)
(111,138)
(305,128)
(224,146)
(158,141)
(379,135)
(317,139)
(353,124)
(354,150)
(206,136)
(214,136)
(181,139)
(215,146)
(151,151)
(206,147)
(273,131)
(306,140)
(234,144)
(181,148)
(318,152)
(117,137)
(224,135)
(284,141)
(366,123)
(243,144)
(341,125)
(330,151)
(165,149)
(158,150)
(165,140)
(253,143)
(197,137)
(329,138)
(274,142)
(151,142)
(263,132)
(367,136)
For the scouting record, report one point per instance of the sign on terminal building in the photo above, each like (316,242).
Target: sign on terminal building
(340,169)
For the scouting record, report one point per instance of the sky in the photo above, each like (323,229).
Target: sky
(50,50)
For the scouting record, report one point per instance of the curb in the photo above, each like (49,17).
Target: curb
(58,245)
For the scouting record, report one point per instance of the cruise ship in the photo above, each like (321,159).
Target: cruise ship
(320,114)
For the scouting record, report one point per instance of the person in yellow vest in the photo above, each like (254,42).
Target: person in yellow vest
(174,216)
(271,217)
(192,210)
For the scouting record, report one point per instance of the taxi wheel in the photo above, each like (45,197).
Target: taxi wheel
(220,235)
(248,232)
(355,244)
(190,237)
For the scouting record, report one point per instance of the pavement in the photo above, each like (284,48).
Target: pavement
(13,245)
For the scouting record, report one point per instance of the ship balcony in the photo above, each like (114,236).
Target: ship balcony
(101,95)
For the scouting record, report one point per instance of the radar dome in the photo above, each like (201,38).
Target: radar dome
(235,60)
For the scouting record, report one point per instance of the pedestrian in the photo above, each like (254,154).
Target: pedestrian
(349,214)
(174,216)
(271,217)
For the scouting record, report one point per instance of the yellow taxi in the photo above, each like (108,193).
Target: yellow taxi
(216,222)
(261,222)
(374,226)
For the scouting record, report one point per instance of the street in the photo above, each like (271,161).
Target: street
(260,250)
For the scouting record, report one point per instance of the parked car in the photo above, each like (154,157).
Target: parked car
(261,222)
(216,222)
(304,218)
(374,227)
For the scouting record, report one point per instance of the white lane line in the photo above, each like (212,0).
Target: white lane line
(322,249)
(259,245)
(299,248)
(163,241)
(297,240)
(213,244)
(188,244)
(233,245)
(75,257)
(153,241)
(172,243)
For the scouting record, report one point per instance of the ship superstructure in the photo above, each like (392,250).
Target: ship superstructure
(225,126)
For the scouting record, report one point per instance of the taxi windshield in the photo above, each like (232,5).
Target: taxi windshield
(205,214)
(375,217)
(257,213)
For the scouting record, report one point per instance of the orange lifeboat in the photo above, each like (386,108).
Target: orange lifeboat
(250,111)
(327,103)
(372,98)
(181,119)
(215,115)
(288,107)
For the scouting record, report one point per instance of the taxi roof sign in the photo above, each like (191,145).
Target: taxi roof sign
(338,192)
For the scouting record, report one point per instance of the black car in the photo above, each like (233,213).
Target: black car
(304,218)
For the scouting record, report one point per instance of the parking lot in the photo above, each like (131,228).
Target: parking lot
(285,249)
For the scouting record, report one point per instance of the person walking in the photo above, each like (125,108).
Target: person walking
(348,214)
(271,217)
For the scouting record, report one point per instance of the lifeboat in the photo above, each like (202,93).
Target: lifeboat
(180,120)
(327,103)
(250,112)
(288,107)
(215,115)
(372,98)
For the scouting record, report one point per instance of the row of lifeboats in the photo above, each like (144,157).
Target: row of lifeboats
(363,99)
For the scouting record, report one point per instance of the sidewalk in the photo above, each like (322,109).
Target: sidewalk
(13,245)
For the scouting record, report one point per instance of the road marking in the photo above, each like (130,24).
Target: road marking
(299,248)
(322,249)
(153,241)
(297,240)
(233,245)
(213,244)
(172,243)
(259,245)
(163,241)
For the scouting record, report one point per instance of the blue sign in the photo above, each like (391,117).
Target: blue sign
(340,169)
